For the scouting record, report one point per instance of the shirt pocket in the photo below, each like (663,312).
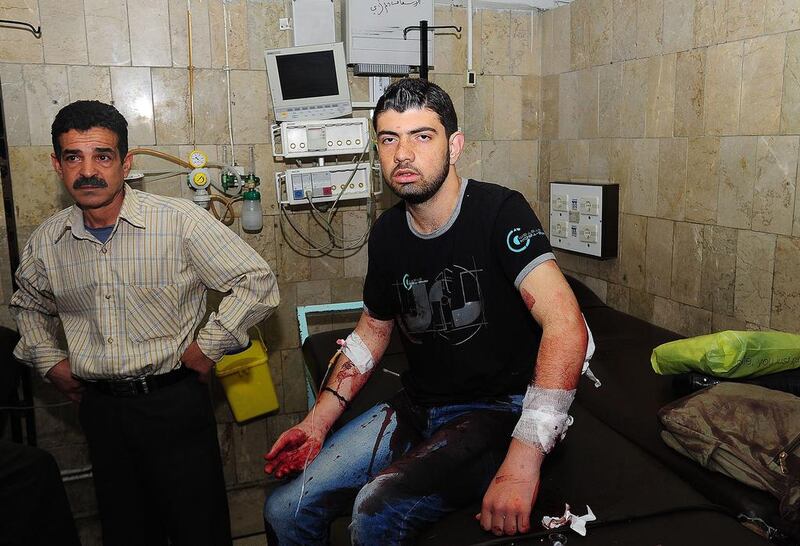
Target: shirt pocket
(151,312)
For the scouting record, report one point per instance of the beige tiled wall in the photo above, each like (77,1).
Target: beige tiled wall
(135,53)
(696,112)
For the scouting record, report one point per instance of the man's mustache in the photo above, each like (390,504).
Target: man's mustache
(91,181)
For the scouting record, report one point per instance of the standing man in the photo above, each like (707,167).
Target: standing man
(495,343)
(126,273)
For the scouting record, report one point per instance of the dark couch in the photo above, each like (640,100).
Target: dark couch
(612,459)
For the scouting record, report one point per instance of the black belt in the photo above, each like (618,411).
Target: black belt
(136,386)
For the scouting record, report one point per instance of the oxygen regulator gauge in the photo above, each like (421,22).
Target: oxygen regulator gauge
(198,159)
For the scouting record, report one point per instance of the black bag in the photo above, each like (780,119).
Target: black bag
(747,432)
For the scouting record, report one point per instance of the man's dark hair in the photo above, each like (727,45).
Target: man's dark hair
(83,115)
(411,93)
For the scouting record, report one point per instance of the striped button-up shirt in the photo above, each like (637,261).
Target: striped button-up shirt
(131,306)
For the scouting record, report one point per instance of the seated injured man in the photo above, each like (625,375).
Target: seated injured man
(495,342)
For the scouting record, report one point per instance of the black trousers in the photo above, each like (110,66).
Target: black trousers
(157,467)
(34,510)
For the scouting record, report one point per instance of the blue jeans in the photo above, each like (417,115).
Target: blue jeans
(397,468)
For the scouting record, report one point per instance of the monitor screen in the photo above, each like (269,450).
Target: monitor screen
(307,75)
(308,82)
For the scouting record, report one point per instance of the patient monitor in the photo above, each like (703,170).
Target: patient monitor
(308,82)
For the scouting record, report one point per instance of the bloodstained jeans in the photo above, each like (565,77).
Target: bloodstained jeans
(397,468)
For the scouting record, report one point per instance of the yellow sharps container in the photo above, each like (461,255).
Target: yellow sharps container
(245,376)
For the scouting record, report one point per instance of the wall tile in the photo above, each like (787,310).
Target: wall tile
(601,22)
(294,385)
(15,105)
(531,98)
(781,15)
(658,257)
(687,263)
(46,92)
(774,195)
(745,18)
(599,156)
(150,38)
(578,152)
(587,108)
(507,108)
(550,106)
(559,161)
(469,164)
(250,108)
(171,108)
(702,183)
(737,176)
(523,168)
(107,32)
(755,260)
(537,43)
(495,41)
(633,256)
(660,113)
(643,189)
(249,442)
(522,36)
(720,323)
(479,102)
(133,97)
(672,156)
(723,86)
(790,109)
(624,34)
(263,33)
(690,94)
(678,25)
(719,269)
(634,98)
(786,289)
(210,106)
(641,304)
(579,20)
(495,160)
(201,36)
(281,328)
(17,45)
(649,27)
(683,319)
(709,22)
(619,163)
(38,192)
(618,297)
(238,54)
(561,39)
(354,226)
(64,34)
(89,83)
(762,82)
(609,99)
(546,24)
(544,173)
(568,98)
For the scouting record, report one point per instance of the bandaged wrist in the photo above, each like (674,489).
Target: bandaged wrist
(354,349)
(544,420)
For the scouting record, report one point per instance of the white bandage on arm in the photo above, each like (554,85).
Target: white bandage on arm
(589,354)
(354,348)
(544,420)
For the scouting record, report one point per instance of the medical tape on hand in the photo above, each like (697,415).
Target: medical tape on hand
(544,420)
(353,348)
(589,354)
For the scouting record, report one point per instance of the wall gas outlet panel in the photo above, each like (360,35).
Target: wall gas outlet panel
(584,218)
(323,184)
(294,139)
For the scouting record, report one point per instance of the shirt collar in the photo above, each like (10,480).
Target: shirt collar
(131,212)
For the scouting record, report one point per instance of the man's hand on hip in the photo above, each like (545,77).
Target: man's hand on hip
(506,507)
(60,375)
(196,360)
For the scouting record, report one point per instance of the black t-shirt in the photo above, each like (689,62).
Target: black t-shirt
(454,294)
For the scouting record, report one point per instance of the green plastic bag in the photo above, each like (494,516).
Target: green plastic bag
(729,354)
